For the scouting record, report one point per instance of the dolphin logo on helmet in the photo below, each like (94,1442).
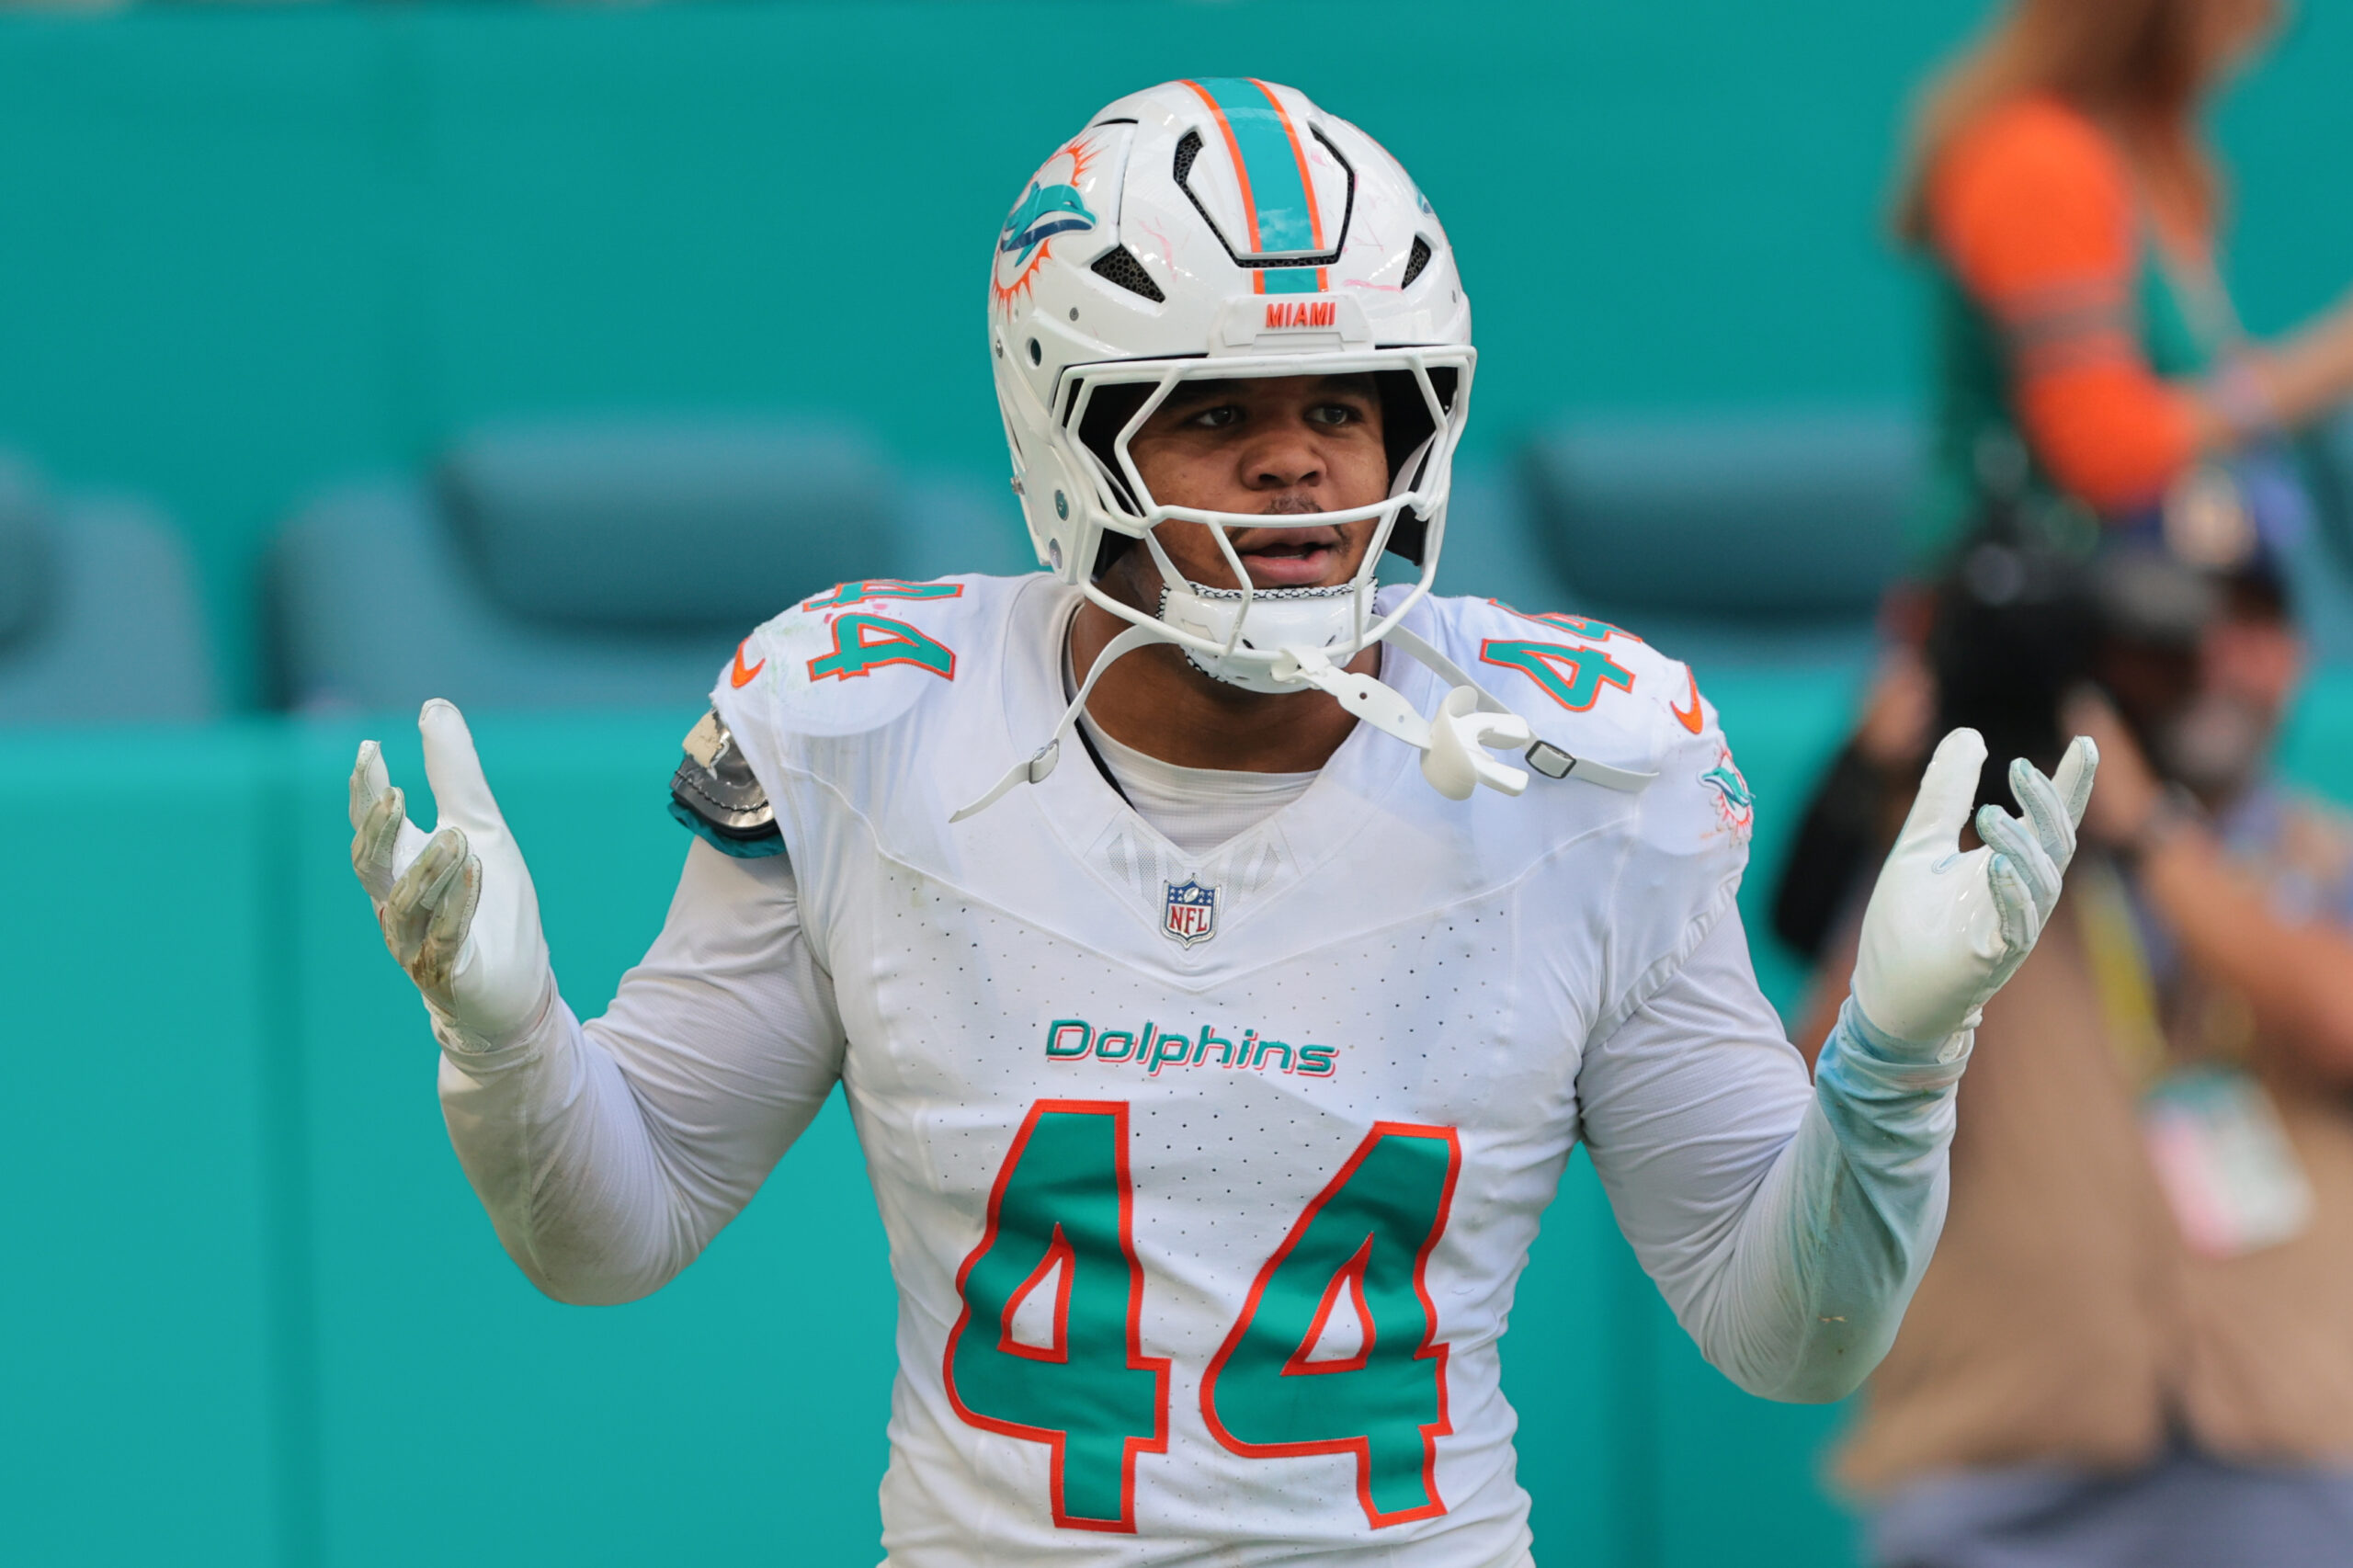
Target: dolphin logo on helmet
(1046,211)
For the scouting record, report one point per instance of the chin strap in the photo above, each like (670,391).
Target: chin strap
(1383,707)
(1470,722)
(1040,762)
(1454,743)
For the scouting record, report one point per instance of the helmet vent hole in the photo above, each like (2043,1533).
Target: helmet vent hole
(1119,265)
(1186,151)
(1419,258)
(1037,355)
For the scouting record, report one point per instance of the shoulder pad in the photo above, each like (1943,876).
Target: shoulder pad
(863,655)
(715,795)
(1601,699)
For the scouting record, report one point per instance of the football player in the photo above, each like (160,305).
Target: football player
(1221,950)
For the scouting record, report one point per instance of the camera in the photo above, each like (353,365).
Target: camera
(2040,600)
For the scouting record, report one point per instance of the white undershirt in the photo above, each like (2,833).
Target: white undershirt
(1196,809)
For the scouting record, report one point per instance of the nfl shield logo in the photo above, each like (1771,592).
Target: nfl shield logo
(1192,912)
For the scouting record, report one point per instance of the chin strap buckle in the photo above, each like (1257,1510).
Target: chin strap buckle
(1548,759)
(1041,763)
(1553,763)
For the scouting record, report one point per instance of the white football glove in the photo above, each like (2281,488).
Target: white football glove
(458,909)
(1944,930)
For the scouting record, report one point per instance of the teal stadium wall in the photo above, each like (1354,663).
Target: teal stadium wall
(247,251)
(253,1314)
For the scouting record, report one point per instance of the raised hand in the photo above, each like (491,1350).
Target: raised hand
(456,908)
(1945,930)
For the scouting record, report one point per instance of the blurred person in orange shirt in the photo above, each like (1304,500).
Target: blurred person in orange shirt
(2134,1345)
(2091,364)
(2092,386)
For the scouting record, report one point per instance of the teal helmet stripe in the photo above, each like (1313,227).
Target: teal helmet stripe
(1291,280)
(1273,168)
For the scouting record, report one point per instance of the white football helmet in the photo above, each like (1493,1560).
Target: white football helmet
(1218,228)
(1223,227)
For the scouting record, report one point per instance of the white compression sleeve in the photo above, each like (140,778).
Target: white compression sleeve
(1785,1224)
(609,1155)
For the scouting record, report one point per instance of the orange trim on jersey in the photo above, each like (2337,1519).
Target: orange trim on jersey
(1432,1348)
(1350,1279)
(1059,1264)
(1055,1438)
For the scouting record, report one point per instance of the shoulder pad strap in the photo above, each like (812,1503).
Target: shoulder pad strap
(714,794)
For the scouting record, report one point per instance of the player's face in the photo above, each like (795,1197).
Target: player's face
(1274,445)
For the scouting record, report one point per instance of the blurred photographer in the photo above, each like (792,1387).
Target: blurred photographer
(2135,1342)
(2134,1345)
(2091,368)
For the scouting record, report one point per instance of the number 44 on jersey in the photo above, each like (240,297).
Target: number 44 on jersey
(1058,1254)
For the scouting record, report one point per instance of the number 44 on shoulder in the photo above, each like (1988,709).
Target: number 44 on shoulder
(1048,1348)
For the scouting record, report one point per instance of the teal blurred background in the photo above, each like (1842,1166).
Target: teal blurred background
(254,1316)
(249,251)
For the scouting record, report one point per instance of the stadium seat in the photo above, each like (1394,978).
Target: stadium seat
(598,564)
(99,616)
(1751,536)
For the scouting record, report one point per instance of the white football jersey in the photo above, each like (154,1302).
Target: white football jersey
(1209,1176)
